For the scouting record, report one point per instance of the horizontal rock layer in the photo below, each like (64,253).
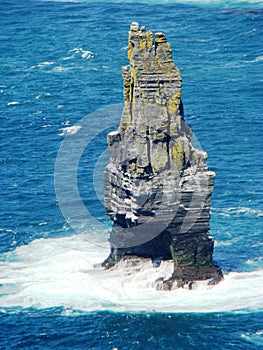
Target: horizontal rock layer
(157,185)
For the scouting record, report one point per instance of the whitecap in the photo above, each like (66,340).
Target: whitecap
(259,58)
(42,64)
(86,54)
(245,211)
(237,211)
(43,95)
(47,63)
(68,58)
(70,130)
(13,103)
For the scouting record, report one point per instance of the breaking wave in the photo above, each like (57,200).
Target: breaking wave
(63,272)
(70,130)
(79,51)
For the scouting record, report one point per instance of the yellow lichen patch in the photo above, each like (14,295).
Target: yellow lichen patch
(177,153)
(174,102)
(139,170)
(142,41)
(130,48)
(160,38)
(149,39)
(132,168)
(133,73)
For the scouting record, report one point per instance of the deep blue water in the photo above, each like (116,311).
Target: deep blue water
(60,62)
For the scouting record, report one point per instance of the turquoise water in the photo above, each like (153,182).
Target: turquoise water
(60,63)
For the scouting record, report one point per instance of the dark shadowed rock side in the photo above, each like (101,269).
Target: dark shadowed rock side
(157,185)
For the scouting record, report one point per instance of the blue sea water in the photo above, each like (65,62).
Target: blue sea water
(61,62)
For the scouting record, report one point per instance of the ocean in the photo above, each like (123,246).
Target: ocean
(61,93)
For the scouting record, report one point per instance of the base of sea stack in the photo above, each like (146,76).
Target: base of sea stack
(189,276)
(166,275)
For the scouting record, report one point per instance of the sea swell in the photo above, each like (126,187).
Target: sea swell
(217,3)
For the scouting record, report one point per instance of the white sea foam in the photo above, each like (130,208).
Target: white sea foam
(70,130)
(46,126)
(61,272)
(47,63)
(47,94)
(13,103)
(259,58)
(42,64)
(79,51)
(238,211)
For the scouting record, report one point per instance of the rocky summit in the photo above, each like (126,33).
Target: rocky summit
(158,187)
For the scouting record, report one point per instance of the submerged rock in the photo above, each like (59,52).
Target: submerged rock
(157,185)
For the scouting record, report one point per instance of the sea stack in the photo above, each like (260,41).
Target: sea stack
(158,187)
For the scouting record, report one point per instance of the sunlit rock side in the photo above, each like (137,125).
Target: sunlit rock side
(157,185)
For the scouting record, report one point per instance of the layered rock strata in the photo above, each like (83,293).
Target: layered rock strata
(157,185)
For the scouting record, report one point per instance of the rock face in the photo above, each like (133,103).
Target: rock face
(157,185)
